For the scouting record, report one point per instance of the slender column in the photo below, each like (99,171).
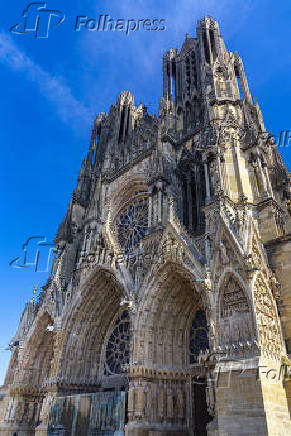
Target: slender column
(220,173)
(189,199)
(103,202)
(165,77)
(237,170)
(161,402)
(170,405)
(198,197)
(84,241)
(265,189)
(170,80)
(226,185)
(207,181)
(160,197)
(89,239)
(150,211)
(178,80)
(140,400)
(183,75)
(270,189)
(131,393)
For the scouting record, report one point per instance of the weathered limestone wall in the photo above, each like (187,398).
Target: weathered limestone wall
(276,406)
(249,401)
(239,401)
(279,252)
(287,385)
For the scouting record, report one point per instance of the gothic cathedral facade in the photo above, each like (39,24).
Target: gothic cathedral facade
(168,309)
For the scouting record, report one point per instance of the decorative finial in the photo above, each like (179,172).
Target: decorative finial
(34,292)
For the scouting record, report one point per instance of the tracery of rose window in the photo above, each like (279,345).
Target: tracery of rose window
(132,224)
(117,348)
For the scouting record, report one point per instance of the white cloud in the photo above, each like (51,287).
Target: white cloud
(53,88)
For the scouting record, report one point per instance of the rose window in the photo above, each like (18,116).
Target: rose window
(117,349)
(132,224)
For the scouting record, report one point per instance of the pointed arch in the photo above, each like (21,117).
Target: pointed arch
(235,315)
(37,355)
(164,319)
(87,325)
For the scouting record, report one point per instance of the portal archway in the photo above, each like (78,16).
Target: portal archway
(87,327)
(30,375)
(164,320)
(163,373)
(94,392)
(37,356)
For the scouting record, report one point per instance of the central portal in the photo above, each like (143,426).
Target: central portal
(165,395)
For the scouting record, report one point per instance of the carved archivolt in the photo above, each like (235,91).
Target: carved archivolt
(86,327)
(267,320)
(163,321)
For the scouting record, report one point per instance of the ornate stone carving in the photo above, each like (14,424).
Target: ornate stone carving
(236,323)
(267,320)
(117,348)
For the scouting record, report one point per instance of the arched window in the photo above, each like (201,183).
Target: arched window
(239,81)
(193,193)
(121,126)
(194,70)
(212,43)
(117,348)
(206,47)
(198,336)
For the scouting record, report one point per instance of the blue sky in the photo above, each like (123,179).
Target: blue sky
(52,88)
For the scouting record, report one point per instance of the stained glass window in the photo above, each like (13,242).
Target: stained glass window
(132,224)
(198,336)
(117,349)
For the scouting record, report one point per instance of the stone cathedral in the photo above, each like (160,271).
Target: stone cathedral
(168,308)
